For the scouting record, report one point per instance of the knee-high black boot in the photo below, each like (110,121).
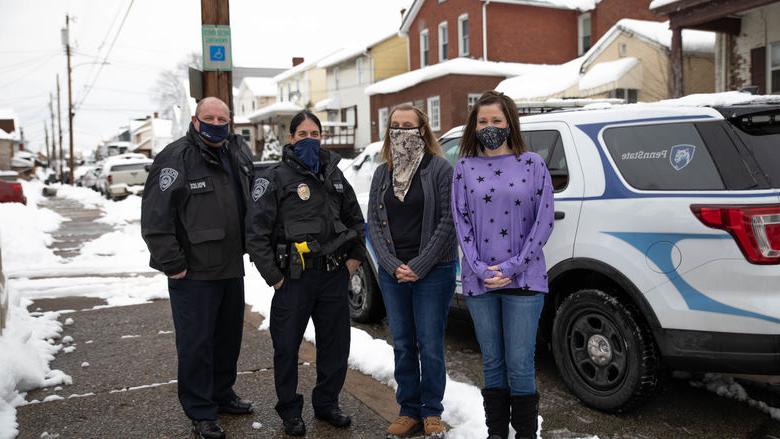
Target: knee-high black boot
(525,411)
(496,403)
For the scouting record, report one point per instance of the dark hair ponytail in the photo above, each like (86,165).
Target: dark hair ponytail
(300,117)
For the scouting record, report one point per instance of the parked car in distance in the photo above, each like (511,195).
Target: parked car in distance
(123,175)
(90,178)
(11,192)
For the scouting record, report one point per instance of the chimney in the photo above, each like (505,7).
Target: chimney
(297,60)
(156,115)
(403,12)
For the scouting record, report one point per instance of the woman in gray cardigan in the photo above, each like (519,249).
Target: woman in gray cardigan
(410,228)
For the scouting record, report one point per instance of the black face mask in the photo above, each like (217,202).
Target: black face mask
(492,137)
(214,133)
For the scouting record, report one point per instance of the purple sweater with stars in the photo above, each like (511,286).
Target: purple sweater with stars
(503,212)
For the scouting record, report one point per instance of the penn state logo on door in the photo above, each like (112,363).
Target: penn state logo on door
(681,156)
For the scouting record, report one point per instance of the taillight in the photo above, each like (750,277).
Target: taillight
(756,228)
(110,179)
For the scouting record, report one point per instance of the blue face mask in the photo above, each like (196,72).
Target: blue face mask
(214,133)
(308,151)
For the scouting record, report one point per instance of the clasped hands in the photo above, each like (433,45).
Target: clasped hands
(498,280)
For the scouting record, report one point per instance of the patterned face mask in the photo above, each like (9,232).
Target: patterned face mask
(407,148)
(492,137)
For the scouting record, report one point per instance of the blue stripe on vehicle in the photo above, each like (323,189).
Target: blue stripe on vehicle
(695,299)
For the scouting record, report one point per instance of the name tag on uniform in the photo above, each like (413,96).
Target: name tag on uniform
(338,186)
(201,185)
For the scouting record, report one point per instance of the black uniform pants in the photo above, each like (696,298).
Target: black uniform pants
(208,316)
(323,297)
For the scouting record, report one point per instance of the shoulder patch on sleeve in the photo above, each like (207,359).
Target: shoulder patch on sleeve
(259,188)
(167,177)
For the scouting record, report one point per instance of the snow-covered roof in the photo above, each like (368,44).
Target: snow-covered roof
(300,68)
(241,120)
(544,81)
(457,66)
(260,86)
(275,109)
(579,5)
(655,4)
(162,127)
(7,114)
(349,53)
(5,136)
(327,104)
(659,32)
(607,72)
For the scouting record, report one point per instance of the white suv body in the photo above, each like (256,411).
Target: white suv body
(666,244)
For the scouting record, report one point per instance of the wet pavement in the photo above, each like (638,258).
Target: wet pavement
(678,411)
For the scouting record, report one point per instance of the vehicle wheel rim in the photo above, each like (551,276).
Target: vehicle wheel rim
(597,351)
(357,289)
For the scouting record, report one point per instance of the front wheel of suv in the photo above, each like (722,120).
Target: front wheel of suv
(605,354)
(365,299)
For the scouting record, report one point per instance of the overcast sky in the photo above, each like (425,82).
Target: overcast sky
(156,35)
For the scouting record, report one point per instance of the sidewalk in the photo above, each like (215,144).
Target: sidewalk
(128,388)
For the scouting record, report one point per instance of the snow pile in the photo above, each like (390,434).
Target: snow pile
(28,368)
(727,387)
(654,4)
(116,212)
(24,232)
(719,99)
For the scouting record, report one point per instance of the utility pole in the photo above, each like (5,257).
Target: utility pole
(59,124)
(66,41)
(53,134)
(220,83)
(46,131)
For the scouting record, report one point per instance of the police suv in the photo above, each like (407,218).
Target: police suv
(666,247)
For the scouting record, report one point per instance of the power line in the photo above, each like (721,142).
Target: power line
(105,58)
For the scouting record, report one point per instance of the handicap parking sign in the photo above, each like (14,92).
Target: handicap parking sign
(216,48)
(217,53)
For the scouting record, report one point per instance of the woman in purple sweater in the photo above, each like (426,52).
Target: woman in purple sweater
(502,203)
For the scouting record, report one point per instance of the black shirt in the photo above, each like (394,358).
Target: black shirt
(405,217)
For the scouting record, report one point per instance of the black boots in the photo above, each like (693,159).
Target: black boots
(524,414)
(496,403)
(525,411)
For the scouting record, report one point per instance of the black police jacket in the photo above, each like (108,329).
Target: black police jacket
(189,214)
(291,204)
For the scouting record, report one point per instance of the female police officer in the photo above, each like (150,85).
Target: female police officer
(305,236)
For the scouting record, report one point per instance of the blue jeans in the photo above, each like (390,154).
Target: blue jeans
(506,331)
(417,313)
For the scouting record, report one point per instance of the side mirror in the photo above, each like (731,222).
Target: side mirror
(147,167)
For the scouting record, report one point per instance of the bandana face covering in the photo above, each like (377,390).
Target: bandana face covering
(308,150)
(407,148)
(492,137)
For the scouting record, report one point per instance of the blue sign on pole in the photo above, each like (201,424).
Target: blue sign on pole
(217,53)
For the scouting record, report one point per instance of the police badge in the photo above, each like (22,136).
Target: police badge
(167,177)
(303,191)
(261,185)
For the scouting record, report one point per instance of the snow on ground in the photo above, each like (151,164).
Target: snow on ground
(727,387)
(28,368)
(24,232)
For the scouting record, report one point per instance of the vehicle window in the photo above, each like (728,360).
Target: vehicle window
(761,135)
(663,157)
(450,147)
(549,145)
(129,167)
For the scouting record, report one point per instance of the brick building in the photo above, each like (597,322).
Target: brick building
(505,31)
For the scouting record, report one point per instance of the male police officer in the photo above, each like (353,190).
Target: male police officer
(305,236)
(192,219)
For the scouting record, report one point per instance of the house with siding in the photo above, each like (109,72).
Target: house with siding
(747,48)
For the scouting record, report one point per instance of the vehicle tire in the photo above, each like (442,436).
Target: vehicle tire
(365,299)
(604,353)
